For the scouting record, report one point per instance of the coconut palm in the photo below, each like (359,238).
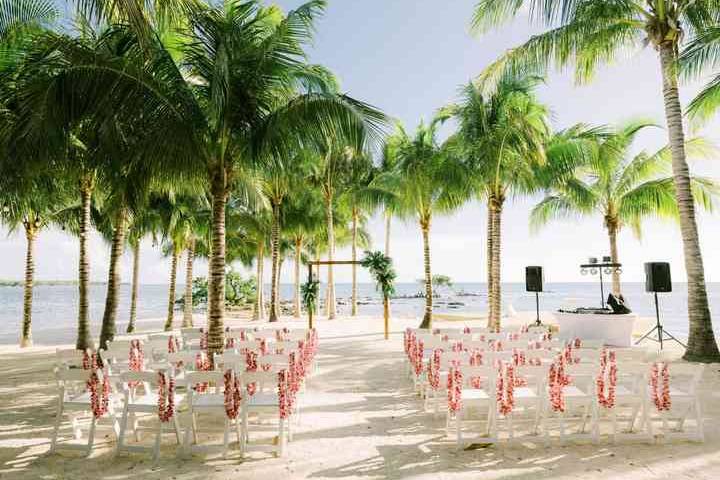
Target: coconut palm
(588,33)
(234,102)
(381,269)
(623,189)
(502,135)
(429,180)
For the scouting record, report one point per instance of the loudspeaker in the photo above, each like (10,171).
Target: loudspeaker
(657,277)
(534,279)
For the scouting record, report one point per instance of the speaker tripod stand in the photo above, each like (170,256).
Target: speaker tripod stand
(662,334)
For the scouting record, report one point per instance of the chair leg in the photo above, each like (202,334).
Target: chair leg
(136,425)
(56,428)
(458,427)
(243,436)
(77,433)
(226,437)
(176,424)
(91,436)
(700,434)
(613,419)
(158,438)
(281,438)
(123,430)
(193,421)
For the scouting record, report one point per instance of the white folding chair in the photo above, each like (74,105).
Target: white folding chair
(74,400)
(528,397)
(580,401)
(477,395)
(70,357)
(145,405)
(684,403)
(630,394)
(264,403)
(209,402)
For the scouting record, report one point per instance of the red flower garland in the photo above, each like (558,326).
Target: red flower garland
(505,388)
(557,382)
(233,398)
(419,348)
(98,403)
(166,397)
(136,360)
(433,370)
(660,394)
(202,364)
(466,330)
(284,399)
(608,367)
(251,366)
(455,380)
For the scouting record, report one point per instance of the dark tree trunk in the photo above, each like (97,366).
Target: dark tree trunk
(30,236)
(216,287)
(427,318)
(107,331)
(170,319)
(134,287)
(83,338)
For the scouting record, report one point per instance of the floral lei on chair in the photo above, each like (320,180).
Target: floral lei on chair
(505,388)
(418,357)
(166,397)
(202,364)
(98,403)
(557,382)
(251,366)
(608,368)
(455,380)
(233,397)
(660,393)
(136,359)
(433,370)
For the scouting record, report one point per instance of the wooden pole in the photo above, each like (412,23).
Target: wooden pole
(386,316)
(310,307)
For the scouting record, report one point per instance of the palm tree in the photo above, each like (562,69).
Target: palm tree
(502,135)
(234,101)
(429,180)
(587,33)
(622,189)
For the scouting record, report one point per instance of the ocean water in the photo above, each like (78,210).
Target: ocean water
(55,307)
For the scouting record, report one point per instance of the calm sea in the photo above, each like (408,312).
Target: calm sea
(55,307)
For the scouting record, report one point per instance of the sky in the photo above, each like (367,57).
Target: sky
(409,58)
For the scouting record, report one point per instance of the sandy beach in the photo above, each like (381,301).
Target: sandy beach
(360,419)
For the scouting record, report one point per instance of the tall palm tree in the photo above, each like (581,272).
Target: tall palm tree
(588,33)
(234,101)
(429,181)
(623,189)
(502,135)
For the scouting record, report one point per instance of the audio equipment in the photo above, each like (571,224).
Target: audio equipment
(657,279)
(534,280)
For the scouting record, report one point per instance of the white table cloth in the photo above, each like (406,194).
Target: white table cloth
(615,330)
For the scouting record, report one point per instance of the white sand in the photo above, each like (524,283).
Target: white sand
(360,420)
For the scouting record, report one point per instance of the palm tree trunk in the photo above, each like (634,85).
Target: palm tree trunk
(489,255)
(331,303)
(83,338)
(188,301)
(354,266)
(259,309)
(496,290)
(612,227)
(701,340)
(388,223)
(216,287)
(296,293)
(427,318)
(107,331)
(171,290)
(134,287)
(30,236)
(275,245)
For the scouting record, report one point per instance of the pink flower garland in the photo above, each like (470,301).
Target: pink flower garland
(433,370)
(505,388)
(608,367)
(136,359)
(98,403)
(557,382)
(229,341)
(233,397)
(476,359)
(466,330)
(251,366)
(284,399)
(455,380)
(166,397)
(202,364)
(418,360)
(660,393)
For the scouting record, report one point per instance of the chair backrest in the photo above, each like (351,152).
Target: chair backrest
(264,380)
(434,342)
(276,361)
(158,346)
(630,354)
(495,336)
(187,358)
(267,333)
(593,343)
(536,375)
(486,374)
(505,356)
(583,375)
(453,334)
(471,345)
(190,334)
(519,344)
(69,357)
(447,359)
(236,361)
(143,337)
(589,355)
(213,378)
(685,376)
(297,335)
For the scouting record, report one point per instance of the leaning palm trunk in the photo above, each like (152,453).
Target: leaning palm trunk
(134,287)
(488,260)
(171,291)
(107,331)
(427,318)
(495,280)
(30,236)
(296,289)
(354,266)
(216,287)
(614,256)
(188,300)
(259,308)
(701,340)
(388,223)
(83,338)
(331,303)
(275,258)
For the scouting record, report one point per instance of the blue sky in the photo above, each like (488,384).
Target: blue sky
(409,57)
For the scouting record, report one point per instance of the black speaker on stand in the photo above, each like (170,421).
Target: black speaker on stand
(534,283)
(657,279)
